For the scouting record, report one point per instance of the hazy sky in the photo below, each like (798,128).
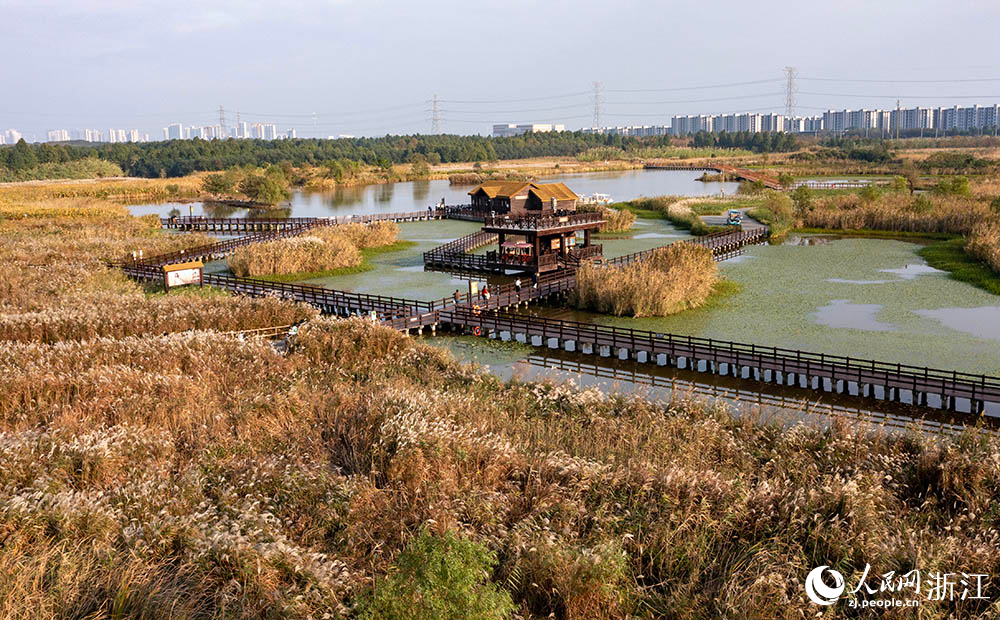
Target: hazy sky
(370,67)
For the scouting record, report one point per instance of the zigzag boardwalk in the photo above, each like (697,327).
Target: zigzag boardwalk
(744,361)
(226,225)
(816,371)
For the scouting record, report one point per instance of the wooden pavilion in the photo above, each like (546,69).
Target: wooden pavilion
(522,198)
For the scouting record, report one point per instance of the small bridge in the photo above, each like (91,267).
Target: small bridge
(862,377)
(736,173)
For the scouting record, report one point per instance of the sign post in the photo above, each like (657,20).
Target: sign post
(182,274)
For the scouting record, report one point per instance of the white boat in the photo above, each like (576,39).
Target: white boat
(594,199)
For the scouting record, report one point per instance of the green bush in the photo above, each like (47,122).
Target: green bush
(955,186)
(440,578)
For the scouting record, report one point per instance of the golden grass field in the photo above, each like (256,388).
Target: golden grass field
(154,466)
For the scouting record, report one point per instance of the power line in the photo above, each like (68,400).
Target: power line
(902,96)
(480,101)
(678,88)
(710,99)
(949,81)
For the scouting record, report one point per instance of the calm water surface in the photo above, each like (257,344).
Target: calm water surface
(418,195)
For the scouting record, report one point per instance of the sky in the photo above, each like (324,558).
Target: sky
(370,67)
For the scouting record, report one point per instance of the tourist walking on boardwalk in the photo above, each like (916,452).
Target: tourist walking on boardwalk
(486,292)
(534,280)
(517,287)
(458,296)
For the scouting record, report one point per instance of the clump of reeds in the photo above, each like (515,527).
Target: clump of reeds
(374,235)
(897,212)
(465,178)
(616,220)
(669,280)
(326,248)
(294,255)
(118,316)
(984,242)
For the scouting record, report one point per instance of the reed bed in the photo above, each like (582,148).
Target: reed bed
(123,190)
(617,220)
(326,248)
(671,279)
(897,212)
(294,255)
(118,316)
(363,236)
(984,242)
(194,475)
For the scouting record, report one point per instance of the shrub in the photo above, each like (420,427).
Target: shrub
(954,186)
(440,578)
(669,280)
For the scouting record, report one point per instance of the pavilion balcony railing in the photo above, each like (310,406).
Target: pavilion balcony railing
(543,222)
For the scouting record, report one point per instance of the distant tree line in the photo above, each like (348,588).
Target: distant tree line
(760,142)
(176,158)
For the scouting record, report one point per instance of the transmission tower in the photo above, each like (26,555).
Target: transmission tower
(598,101)
(222,120)
(435,116)
(790,89)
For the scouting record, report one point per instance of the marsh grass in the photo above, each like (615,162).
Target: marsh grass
(146,474)
(897,212)
(671,279)
(616,220)
(197,475)
(325,250)
(984,243)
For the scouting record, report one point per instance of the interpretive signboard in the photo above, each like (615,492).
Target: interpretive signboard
(182,274)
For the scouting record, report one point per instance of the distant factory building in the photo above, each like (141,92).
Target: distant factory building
(510,129)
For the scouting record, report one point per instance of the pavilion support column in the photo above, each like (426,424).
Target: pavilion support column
(586,237)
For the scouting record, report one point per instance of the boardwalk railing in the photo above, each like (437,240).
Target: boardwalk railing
(545,222)
(723,245)
(247,224)
(738,356)
(736,173)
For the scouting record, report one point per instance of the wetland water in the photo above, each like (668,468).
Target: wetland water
(418,195)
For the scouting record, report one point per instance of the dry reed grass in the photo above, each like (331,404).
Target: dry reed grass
(294,255)
(671,279)
(984,242)
(897,212)
(617,220)
(324,249)
(122,190)
(195,475)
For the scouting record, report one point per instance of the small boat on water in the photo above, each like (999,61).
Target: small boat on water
(594,199)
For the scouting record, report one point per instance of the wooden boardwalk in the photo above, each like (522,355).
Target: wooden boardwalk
(736,173)
(236,225)
(816,371)
(873,379)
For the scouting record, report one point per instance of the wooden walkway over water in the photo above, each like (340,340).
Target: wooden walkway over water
(237,225)
(818,371)
(869,378)
(736,173)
